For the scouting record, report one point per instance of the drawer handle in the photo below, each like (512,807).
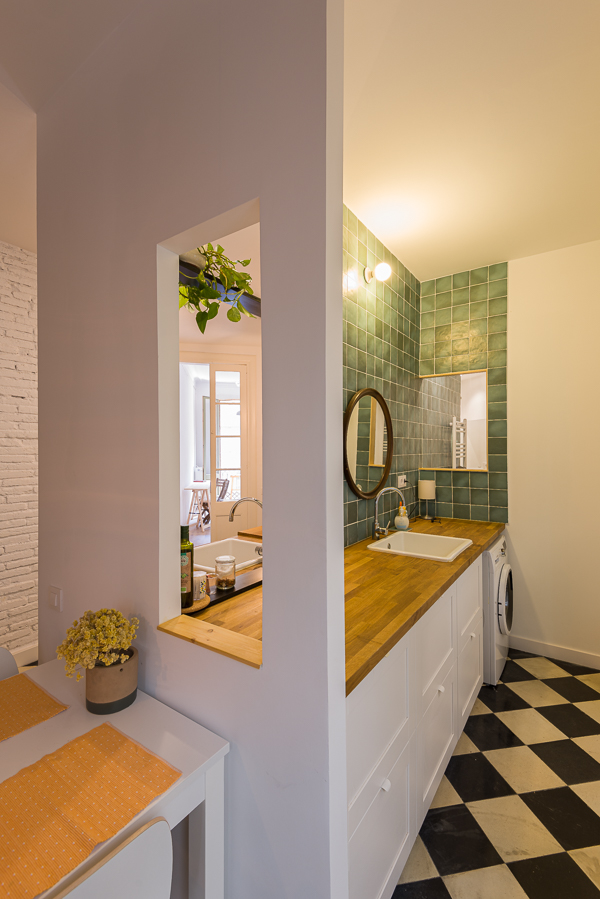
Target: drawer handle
(473,636)
(386,785)
(441,689)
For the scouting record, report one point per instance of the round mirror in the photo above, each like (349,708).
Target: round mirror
(368,443)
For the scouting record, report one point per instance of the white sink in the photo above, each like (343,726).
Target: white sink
(421,546)
(245,552)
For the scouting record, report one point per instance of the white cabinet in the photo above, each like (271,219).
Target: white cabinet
(403,722)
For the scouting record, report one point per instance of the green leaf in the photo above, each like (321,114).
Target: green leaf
(201,320)
(246,262)
(209,293)
(234,314)
(220,250)
(209,247)
(212,310)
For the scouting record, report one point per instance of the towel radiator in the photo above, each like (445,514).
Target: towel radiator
(459,443)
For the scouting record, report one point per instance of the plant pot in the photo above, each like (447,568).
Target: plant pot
(111,688)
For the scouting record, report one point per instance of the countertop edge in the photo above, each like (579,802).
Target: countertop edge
(218,639)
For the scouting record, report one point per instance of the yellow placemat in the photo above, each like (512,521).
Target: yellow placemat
(23,704)
(54,812)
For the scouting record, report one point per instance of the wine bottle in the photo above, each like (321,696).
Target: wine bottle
(187,568)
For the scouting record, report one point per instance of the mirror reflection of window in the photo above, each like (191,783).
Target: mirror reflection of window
(377,435)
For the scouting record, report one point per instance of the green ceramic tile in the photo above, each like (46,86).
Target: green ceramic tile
(497,463)
(460,364)
(478,327)
(496,429)
(425,475)
(498,497)
(459,297)
(350,356)
(460,347)
(480,513)
(443,366)
(426,367)
(362,232)
(496,376)
(443,348)
(479,310)
(460,478)
(460,313)
(478,292)
(428,351)
(443,494)
(443,478)
(350,334)
(478,344)
(443,284)
(498,288)
(461,511)
(460,330)
(498,306)
(477,361)
(361,360)
(443,333)
(443,300)
(478,479)
(500,270)
(427,304)
(443,316)
(497,341)
(427,319)
(497,445)
(496,410)
(496,323)
(443,510)
(498,481)
(352,245)
(479,275)
(499,515)
(479,497)
(352,222)
(497,359)
(497,394)
(461,495)
(461,279)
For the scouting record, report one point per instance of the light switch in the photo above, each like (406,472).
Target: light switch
(55,598)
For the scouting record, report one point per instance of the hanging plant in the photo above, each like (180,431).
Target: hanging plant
(204,299)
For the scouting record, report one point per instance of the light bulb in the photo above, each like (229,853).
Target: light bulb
(382,271)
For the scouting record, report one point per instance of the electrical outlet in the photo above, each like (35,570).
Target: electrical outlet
(402,480)
(55,598)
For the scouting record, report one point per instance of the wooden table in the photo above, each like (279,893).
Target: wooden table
(192,749)
(200,494)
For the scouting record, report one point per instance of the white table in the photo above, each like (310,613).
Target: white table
(192,749)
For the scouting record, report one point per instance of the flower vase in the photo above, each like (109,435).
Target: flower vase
(111,688)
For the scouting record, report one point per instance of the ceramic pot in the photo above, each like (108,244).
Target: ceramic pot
(112,688)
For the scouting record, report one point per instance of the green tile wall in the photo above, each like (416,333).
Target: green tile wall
(463,328)
(381,350)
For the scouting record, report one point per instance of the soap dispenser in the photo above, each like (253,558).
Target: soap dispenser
(401,521)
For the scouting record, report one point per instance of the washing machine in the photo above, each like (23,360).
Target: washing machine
(497,610)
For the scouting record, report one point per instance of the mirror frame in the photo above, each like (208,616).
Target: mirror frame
(354,401)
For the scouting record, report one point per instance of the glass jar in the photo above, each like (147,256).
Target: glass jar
(225,571)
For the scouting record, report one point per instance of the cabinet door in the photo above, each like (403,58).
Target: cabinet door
(437,736)
(381,843)
(470,671)
(377,711)
(469,601)
(434,647)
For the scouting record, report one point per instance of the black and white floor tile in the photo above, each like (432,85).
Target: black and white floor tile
(517,814)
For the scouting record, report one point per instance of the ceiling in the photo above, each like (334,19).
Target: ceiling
(471,131)
(471,127)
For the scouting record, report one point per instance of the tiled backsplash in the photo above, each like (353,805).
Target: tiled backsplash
(384,326)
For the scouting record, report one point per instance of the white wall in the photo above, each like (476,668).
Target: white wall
(553,449)
(18,450)
(128,157)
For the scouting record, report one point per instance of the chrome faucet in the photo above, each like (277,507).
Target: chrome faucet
(244,499)
(383,532)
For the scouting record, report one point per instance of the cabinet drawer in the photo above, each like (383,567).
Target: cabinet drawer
(469,600)
(470,670)
(434,646)
(377,712)
(436,739)
(383,834)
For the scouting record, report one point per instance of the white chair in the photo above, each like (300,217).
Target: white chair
(139,868)
(8,666)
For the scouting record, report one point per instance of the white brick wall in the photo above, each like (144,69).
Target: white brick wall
(18,447)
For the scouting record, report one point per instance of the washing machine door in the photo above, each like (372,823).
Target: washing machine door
(505,600)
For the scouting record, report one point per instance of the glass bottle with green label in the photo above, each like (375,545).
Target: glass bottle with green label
(187,568)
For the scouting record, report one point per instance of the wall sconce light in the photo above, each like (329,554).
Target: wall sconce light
(381,272)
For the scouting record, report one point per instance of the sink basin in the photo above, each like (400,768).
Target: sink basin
(421,546)
(245,552)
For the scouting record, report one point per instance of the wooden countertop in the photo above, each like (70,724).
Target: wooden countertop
(251,533)
(385,596)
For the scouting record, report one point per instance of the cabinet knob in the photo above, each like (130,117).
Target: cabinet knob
(386,785)
(441,689)
(473,636)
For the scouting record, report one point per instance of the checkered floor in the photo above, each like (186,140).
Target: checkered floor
(517,813)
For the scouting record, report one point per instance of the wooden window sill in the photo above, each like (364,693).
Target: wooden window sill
(219,639)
